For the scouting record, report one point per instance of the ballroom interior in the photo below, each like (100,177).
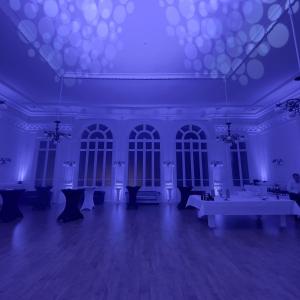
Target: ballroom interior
(149,149)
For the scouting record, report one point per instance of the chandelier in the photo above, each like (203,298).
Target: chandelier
(229,138)
(291,106)
(55,135)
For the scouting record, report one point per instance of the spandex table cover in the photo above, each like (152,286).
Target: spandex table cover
(247,206)
(71,211)
(88,203)
(10,207)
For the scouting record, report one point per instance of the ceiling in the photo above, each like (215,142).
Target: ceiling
(204,53)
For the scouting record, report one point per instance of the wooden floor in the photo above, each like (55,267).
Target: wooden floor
(155,252)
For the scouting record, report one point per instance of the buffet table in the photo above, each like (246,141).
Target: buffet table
(244,206)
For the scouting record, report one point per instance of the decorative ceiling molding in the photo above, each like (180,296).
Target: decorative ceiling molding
(141,76)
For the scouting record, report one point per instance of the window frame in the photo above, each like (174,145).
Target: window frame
(185,145)
(144,140)
(92,137)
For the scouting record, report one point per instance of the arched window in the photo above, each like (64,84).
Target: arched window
(239,164)
(45,163)
(191,157)
(95,161)
(144,157)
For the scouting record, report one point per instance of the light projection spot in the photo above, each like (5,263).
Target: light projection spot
(71,56)
(253,11)
(193,27)
(190,51)
(279,36)
(203,11)
(211,28)
(187,8)
(263,49)
(75,39)
(223,63)
(105,8)
(102,30)
(15,4)
(243,80)
(220,46)
(209,61)
(130,7)
(181,32)
(274,12)
(28,29)
(64,30)
(203,45)
(173,16)
(235,21)
(31,10)
(31,53)
(255,69)
(256,33)
(90,11)
(46,28)
(119,14)
(50,8)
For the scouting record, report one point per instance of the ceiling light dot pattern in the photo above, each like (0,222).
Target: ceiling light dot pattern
(217,35)
(73,35)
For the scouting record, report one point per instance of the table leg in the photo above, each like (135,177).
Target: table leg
(283,221)
(211,221)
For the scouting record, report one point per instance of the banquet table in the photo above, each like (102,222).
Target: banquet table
(10,207)
(88,203)
(244,206)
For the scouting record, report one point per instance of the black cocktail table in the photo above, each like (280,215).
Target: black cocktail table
(71,211)
(10,208)
(132,193)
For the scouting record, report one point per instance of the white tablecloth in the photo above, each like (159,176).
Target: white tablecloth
(246,206)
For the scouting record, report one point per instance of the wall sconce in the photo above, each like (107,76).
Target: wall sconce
(216,163)
(277,161)
(69,163)
(119,163)
(4,160)
(169,163)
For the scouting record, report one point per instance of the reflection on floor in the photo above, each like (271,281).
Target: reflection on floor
(152,253)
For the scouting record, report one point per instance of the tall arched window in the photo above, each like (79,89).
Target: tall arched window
(144,157)
(95,161)
(239,164)
(191,157)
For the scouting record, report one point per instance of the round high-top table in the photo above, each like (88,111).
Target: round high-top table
(88,203)
(71,211)
(132,194)
(10,207)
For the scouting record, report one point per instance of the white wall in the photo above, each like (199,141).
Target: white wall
(280,141)
(21,146)
(16,144)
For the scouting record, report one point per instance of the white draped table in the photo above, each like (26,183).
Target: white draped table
(244,206)
(88,203)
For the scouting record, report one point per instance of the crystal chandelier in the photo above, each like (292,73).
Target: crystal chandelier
(292,106)
(55,135)
(229,138)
